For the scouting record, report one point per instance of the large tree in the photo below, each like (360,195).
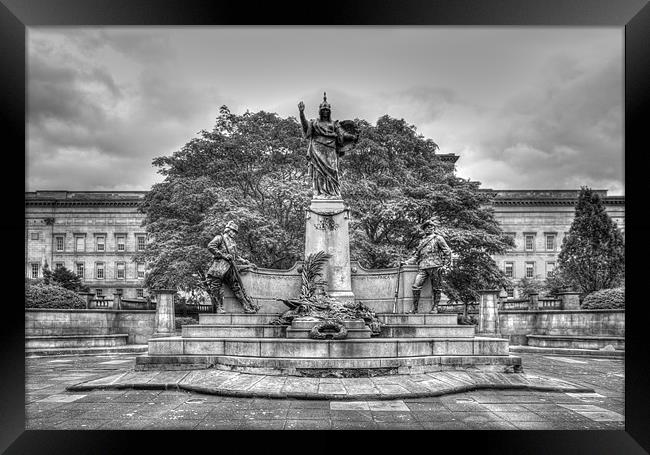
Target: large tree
(593,253)
(251,168)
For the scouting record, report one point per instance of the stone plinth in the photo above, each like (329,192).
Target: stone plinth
(570,300)
(533,302)
(488,313)
(327,230)
(165,319)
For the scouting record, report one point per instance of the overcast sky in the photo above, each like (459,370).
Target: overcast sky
(525,108)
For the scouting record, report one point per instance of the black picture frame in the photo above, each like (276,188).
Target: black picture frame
(632,15)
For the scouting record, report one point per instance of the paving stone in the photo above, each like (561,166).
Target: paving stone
(445,425)
(349,406)
(331,388)
(414,425)
(210,424)
(426,406)
(434,416)
(353,425)
(351,416)
(398,405)
(61,398)
(520,416)
(603,416)
(308,414)
(504,407)
(301,424)
(137,424)
(262,425)
(80,424)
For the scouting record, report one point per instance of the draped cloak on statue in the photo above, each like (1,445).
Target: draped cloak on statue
(326,144)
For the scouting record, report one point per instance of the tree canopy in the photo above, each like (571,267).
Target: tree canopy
(251,168)
(593,253)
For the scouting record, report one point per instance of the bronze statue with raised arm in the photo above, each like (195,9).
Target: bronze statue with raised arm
(328,141)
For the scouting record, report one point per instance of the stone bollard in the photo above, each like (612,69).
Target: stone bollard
(117,299)
(88,296)
(533,301)
(488,313)
(570,300)
(165,319)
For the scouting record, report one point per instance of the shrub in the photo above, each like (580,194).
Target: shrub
(180,321)
(605,299)
(467,320)
(50,296)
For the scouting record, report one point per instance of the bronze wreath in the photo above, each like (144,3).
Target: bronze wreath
(318,334)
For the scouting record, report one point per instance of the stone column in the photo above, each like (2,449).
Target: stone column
(488,313)
(327,230)
(117,300)
(570,300)
(533,302)
(165,320)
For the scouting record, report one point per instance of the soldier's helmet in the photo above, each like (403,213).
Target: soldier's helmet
(324,104)
(232,226)
(430,223)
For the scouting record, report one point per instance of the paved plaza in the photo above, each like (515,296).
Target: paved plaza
(50,406)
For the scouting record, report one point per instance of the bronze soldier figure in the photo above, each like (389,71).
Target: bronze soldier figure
(432,256)
(224,269)
(327,142)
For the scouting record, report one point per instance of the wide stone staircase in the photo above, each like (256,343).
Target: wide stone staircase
(408,343)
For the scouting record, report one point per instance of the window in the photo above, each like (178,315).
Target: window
(80,243)
(35,268)
(140,240)
(140,268)
(529,242)
(550,242)
(99,270)
(550,267)
(139,293)
(58,265)
(120,270)
(34,236)
(80,269)
(511,293)
(530,269)
(121,243)
(100,243)
(58,243)
(99,292)
(510,269)
(119,291)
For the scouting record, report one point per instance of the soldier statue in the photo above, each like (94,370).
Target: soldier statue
(224,269)
(432,255)
(327,142)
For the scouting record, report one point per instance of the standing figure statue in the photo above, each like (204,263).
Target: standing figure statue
(224,268)
(327,142)
(432,256)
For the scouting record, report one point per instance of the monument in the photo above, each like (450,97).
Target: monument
(326,315)
(327,215)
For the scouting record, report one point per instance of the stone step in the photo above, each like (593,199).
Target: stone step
(575,341)
(128,349)
(380,366)
(75,341)
(237,318)
(333,349)
(234,331)
(417,319)
(427,331)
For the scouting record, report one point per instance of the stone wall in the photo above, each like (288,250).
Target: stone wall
(374,288)
(517,324)
(139,325)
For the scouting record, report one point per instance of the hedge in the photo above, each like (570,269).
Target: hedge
(53,297)
(605,299)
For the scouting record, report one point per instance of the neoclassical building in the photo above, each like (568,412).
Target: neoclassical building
(96,233)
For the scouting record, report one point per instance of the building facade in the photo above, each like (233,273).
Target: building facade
(95,234)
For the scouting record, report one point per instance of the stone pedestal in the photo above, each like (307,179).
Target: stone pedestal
(488,313)
(533,301)
(327,230)
(117,300)
(570,300)
(165,319)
